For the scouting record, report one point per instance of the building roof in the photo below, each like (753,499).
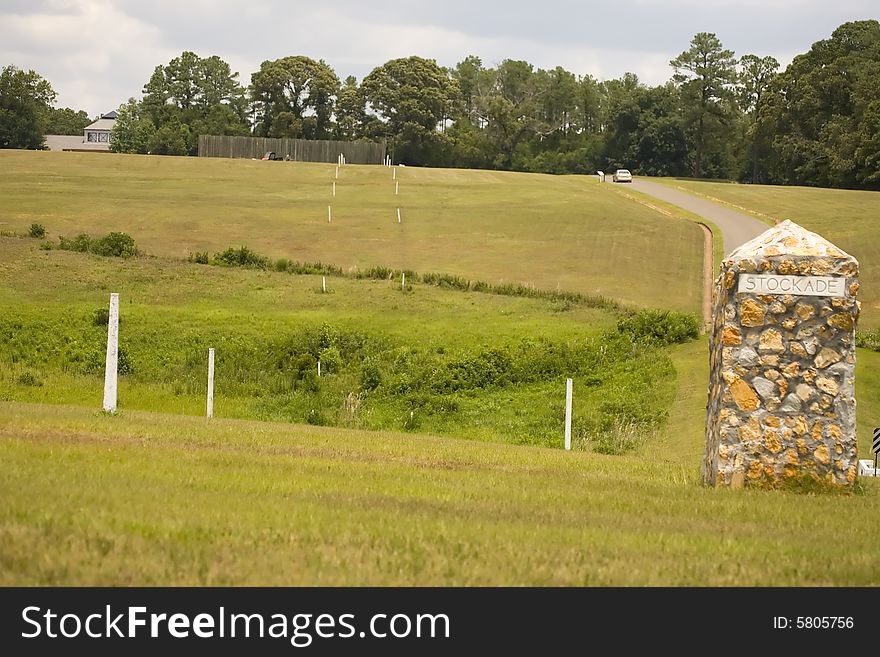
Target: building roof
(102,124)
(110,115)
(74,143)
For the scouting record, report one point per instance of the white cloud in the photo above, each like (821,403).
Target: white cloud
(94,55)
(97,53)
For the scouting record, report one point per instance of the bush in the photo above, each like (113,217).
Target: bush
(46,245)
(116,245)
(119,245)
(101,317)
(241,257)
(37,231)
(80,243)
(331,360)
(28,379)
(869,340)
(199,257)
(371,374)
(660,326)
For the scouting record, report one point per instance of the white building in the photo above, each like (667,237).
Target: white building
(96,137)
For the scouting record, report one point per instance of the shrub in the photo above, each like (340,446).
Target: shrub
(47,245)
(101,317)
(199,257)
(660,326)
(241,257)
(28,379)
(117,245)
(282,264)
(316,417)
(80,243)
(868,340)
(371,374)
(37,231)
(331,360)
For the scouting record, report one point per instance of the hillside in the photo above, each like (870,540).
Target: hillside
(553,232)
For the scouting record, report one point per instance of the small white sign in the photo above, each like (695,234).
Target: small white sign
(805,286)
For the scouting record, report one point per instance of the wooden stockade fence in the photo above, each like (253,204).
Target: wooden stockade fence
(297,150)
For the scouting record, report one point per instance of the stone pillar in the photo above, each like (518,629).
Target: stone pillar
(782,363)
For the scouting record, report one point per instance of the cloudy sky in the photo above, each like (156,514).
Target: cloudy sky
(98,53)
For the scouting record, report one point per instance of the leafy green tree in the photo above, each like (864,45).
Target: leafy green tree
(132,131)
(66,121)
(510,109)
(25,102)
(822,112)
(472,78)
(294,97)
(409,98)
(202,94)
(705,73)
(171,138)
(755,77)
(350,111)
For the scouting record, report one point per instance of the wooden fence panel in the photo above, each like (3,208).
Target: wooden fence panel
(297,150)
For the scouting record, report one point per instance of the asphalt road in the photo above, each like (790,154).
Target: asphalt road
(736,228)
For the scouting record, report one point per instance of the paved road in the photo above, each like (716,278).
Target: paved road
(736,228)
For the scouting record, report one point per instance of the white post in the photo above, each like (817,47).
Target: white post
(396,187)
(337,171)
(394,173)
(334,189)
(398,215)
(403,280)
(329,214)
(319,369)
(211,382)
(110,369)
(568,414)
(323,284)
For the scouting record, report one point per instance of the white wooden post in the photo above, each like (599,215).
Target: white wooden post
(337,171)
(334,189)
(319,369)
(323,284)
(403,280)
(211,382)
(396,187)
(329,214)
(110,369)
(568,414)
(394,173)
(398,215)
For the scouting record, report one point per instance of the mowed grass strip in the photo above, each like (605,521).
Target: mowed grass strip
(151,499)
(848,218)
(552,232)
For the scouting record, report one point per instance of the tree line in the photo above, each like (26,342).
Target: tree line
(719,116)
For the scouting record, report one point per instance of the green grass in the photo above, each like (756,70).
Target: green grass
(849,219)
(151,499)
(553,232)
(428,360)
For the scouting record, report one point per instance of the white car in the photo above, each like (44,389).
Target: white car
(622,175)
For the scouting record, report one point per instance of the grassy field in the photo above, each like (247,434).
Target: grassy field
(145,498)
(553,232)
(426,359)
(390,494)
(850,219)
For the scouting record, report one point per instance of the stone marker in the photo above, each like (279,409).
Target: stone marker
(782,363)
